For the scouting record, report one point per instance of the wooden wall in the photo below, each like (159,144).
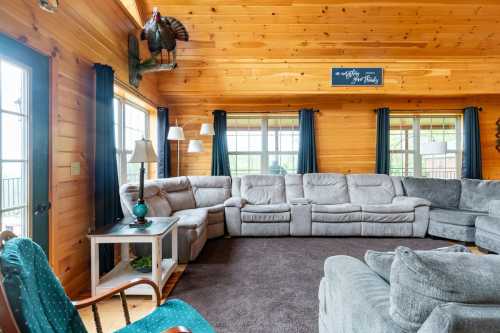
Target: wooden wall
(79,34)
(345,127)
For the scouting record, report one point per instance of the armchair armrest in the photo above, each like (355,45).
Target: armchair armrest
(96,299)
(494,208)
(462,318)
(414,201)
(299,201)
(235,202)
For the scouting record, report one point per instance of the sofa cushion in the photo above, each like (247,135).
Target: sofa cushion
(395,217)
(380,262)
(326,188)
(215,209)
(192,218)
(368,189)
(158,206)
(442,193)
(336,209)
(277,208)
(477,194)
(337,217)
(265,217)
(489,224)
(210,190)
(178,192)
(454,216)
(263,189)
(422,281)
(398,207)
(293,187)
(236,186)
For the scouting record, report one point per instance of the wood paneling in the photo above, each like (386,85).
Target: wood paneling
(345,127)
(79,34)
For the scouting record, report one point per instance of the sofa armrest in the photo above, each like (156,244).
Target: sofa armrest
(462,318)
(236,202)
(299,201)
(414,201)
(494,208)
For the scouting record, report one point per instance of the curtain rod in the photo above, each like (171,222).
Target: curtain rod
(262,112)
(424,110)
(134,91)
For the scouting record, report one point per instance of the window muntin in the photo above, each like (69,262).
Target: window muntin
(131,124)
(262,144)
(408,136)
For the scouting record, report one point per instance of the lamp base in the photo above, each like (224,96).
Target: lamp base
(140,225)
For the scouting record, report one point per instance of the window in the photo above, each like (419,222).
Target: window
(410,139)
(262,144)
(131,124)
(14,148)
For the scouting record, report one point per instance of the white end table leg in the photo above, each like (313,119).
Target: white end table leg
(174,244)
(94,267)
(156,263)
(125,251)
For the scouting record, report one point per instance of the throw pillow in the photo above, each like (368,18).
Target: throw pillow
(380,262)
(420,281)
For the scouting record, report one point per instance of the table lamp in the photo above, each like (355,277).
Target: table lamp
(143,153)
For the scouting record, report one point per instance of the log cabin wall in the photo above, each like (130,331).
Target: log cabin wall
(277,55)
(79,34)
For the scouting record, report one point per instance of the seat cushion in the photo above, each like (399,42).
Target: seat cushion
(265,217)
(388,217)
(172,313)
(326,188)
(442,193)
(336,209)
(277,208)
(389,208)
(192,218)
(337,217)
(477,194)
(422,281)
(263,189)
(215,209)
(369,189)
(453,216)
(488,224)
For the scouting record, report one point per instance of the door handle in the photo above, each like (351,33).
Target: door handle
(42,208)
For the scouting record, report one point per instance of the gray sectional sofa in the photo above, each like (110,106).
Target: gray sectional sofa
(197,200)
(327,204)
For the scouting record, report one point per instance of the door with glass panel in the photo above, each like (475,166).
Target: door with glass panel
(24,126)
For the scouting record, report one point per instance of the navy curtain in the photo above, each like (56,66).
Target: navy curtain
(307,143)
(471,163)
(106,187)
(163,144)
(383,127)
(220,156)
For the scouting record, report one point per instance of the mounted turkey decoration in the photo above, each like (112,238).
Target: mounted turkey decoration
(161,33)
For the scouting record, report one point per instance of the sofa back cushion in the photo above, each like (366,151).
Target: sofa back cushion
(263,189)
(209,191)
(442,193)
(293,187)
(420,281)
(178,192)
(477,194)
(236,187)
(158,206)
(326,188)
(369,189)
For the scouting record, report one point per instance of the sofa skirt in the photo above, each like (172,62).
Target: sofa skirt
(265,229)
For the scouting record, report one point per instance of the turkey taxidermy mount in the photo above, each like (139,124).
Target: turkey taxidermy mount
(161,33)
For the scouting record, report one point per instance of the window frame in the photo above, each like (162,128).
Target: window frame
(121,151)
(417,157)
(264,153)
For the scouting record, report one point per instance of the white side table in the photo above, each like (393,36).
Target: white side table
(121,233)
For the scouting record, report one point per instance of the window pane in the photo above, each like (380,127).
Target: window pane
(13,137)
(15,221)
(116,111)
(135,126)
(12,87)
(14,190)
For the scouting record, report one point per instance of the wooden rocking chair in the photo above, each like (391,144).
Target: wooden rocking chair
(24,267)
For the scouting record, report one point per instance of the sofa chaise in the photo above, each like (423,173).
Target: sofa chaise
(326,204)
(197,200)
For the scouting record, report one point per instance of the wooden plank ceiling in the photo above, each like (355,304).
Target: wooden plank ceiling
(450,47)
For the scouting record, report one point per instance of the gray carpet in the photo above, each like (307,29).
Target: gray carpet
(270,284)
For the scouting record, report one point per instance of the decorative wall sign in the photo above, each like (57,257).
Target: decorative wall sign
(357,76)
(498,135)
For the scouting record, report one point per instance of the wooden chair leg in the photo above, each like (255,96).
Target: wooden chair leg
(97,319)
(125,307)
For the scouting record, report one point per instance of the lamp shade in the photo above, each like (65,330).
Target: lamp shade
(195,146)
(175,133)
(143,152)
(207,129)
(434,148)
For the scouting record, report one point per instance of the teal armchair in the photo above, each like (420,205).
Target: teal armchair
(33,300)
